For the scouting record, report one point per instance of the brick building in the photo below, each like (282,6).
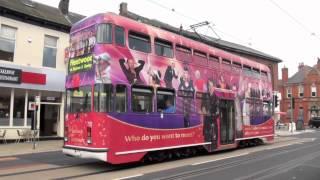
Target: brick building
(303,86)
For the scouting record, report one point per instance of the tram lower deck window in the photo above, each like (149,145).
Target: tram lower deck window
(121,98)
(102,97)
(79,99)
(166,101)
(141,99)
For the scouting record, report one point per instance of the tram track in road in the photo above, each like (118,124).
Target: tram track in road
(45,169)
(218,167)
(193,173)
(96,168)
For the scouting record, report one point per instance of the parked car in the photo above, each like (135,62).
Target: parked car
(314,122)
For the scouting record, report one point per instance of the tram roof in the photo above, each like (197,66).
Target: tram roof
(211,41)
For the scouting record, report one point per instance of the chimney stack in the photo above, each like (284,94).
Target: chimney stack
(123,8)
(64,6)
(318,63)
(284,74)
(300,67)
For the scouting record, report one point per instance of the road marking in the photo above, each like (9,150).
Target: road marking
(218,159)
(128,177)
(8,159)
(284,145)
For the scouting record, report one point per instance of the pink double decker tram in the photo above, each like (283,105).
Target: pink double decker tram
(135,91)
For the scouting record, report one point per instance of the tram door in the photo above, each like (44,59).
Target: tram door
(227,121)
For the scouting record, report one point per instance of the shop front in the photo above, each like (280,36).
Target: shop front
(19,86)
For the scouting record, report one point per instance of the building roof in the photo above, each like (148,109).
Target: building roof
(299,76)
(218,43)
(40,14)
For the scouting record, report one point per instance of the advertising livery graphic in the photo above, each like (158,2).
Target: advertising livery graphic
(131,102)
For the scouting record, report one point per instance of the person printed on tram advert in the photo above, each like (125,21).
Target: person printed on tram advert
(233,82)
(154,77)
(222,82)
(186,84)
(200,84)
(131,70)
(210,119)
(102,64)
(170,74)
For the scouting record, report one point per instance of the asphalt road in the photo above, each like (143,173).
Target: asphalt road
(291,158)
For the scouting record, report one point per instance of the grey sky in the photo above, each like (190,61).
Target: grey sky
(289,30)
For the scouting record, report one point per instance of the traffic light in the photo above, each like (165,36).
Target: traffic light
(276,101)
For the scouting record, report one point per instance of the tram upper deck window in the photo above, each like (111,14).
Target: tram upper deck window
(79,99)
(120,36)
(104,33)
(139,42)
(141,99)
(236,64)
(226,61)
(183,53)
(163,48)
(214,58)
(166,100)
(102,97)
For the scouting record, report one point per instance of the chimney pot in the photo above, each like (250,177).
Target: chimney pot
(123,8)
(64,6)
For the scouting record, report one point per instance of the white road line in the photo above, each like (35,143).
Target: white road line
(268,148)
(128,177)
(218,159)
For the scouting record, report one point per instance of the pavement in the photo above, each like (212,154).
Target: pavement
(11,149)
(285,132)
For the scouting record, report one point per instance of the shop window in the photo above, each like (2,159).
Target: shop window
(163,48)
(166,100)
(142,99)
(121,98)
(79,99)
(50,51)
(139,42)
(120,36)
(5,97)
(7,42)
(104,33)
(18,107)
(102,97)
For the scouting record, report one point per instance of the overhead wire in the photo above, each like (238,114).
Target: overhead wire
(304,27)
(196,20)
